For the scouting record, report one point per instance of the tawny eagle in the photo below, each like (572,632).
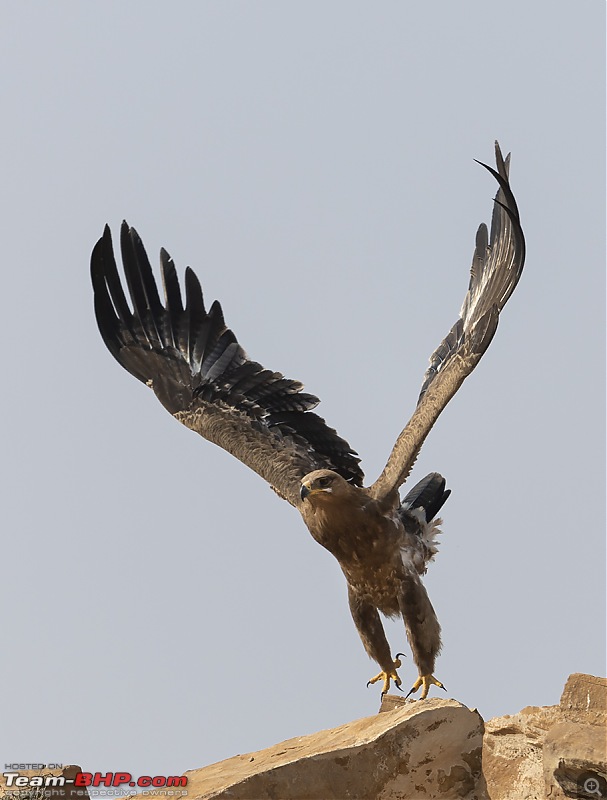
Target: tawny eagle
(204,378)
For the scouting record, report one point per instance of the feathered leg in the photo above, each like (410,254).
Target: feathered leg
(371,631)
(423,630)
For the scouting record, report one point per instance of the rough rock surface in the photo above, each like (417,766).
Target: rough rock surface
(430,749)
(415,751)
(552,752)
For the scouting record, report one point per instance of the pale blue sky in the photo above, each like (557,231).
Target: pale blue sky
(161,608)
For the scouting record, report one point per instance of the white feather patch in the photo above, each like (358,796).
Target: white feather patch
(426,546)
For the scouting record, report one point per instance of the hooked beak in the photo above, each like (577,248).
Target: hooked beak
(304,491)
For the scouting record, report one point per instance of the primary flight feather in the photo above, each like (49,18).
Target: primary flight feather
(203,377)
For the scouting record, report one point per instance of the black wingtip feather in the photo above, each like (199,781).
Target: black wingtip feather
(188,355)
(114,318)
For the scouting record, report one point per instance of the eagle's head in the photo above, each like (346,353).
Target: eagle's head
(323,484)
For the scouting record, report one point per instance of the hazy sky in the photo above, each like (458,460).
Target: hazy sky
(161,607)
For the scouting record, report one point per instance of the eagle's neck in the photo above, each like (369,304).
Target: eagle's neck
(347,525)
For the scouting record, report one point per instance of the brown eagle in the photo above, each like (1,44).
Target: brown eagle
(204,378)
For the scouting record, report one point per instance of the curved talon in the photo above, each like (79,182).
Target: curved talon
(386,677)
(425,681)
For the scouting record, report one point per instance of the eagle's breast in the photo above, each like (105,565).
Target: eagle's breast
(367,543)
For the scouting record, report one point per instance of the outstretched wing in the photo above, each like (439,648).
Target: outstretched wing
(201,374)
(496,268)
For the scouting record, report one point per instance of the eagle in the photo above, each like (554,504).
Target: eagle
(201,374)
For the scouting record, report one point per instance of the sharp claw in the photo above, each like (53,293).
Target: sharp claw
(387,676)
(443,687)
(410,692)
(424,682)
(398,655)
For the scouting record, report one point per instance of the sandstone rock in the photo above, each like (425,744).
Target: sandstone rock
(552,752)
(574,761)
(513,753)
(429,749)
(584,699)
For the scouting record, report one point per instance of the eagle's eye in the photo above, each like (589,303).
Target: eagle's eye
(324,482)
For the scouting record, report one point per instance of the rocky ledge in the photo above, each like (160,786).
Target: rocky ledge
(435,749)
(417,750)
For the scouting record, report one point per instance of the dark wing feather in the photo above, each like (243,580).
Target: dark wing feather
(201,374)
(429,494)
(496,268)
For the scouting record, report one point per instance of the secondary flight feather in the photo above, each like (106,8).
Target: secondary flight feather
(201,374)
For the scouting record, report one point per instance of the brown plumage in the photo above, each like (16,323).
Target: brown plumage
(201,374)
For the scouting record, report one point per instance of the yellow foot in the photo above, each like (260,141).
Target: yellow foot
(425,681)
(386,677)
